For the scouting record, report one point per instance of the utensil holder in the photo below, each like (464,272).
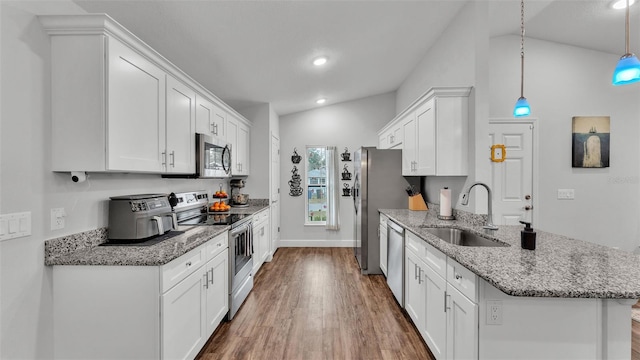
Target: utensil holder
(416,202)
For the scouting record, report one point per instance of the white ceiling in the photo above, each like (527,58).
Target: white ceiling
(249,52)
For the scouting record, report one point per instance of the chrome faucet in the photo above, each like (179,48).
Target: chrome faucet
(465,201)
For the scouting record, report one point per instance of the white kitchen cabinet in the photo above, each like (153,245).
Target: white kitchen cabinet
(150,312)
(441,299)
(382,233)
(414,294)
(211,118)
(391,136)
(179,153)
(183,318)
(119,106)
(238,135)
(261,239)
(434,133)
(217,289)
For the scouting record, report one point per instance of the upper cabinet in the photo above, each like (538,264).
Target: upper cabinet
(435,133)
(119,106)
(238,136)
(211,119)
(390,137)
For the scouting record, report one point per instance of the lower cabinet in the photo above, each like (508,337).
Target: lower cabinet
(141,312)
(261,239)
(446,319)
(382,233)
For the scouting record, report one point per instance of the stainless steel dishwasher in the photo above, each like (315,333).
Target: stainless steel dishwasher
(395,260)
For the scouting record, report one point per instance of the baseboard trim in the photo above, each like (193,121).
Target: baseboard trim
(317,243)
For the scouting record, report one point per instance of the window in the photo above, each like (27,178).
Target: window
(316,183)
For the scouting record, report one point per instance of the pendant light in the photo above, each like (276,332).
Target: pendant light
(628,69)
(522,105)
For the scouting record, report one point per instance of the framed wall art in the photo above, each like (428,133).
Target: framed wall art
(591,141)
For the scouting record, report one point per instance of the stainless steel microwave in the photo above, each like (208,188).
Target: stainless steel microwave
(213,158)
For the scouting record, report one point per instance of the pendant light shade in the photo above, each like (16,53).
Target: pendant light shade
(628,69)
(522,107)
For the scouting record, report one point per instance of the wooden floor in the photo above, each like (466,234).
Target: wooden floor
(313,303)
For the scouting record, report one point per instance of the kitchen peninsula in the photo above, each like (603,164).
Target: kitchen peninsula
(566,299)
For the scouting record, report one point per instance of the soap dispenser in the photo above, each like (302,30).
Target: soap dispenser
(527,236)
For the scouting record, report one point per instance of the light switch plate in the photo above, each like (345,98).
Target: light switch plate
(15,225)
(566,194)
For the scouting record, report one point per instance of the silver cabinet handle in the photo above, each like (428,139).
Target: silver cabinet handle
(215,129)
(415,271)
(164,158)
(445,301)
(212,126)
(173,159)
(188,263)
(206,280)
(211,279)
(420,272)
(458,277)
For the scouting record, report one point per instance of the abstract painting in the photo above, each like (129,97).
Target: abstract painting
(591,141)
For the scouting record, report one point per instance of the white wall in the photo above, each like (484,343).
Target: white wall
(561,82)
(27,183)
(350,124)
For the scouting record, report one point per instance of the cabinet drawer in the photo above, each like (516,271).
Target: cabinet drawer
(217,245)
(383,220)
(415,244)
(436,259)
(462,279)
(261,216)
(178,269)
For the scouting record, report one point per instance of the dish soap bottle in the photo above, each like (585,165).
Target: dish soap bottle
(527,237)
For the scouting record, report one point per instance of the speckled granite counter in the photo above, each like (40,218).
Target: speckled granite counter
(84,248)
(559,267)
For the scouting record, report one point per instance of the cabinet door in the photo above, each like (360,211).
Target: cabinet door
(219,122)
(383,249)
(409,146)
(181,122)
(413,291)
(426,139)
(462,326)
(232,139)
(204,115)
(136,111)
(244,140)
(217,290)
(266,239)
(435,321)
(183,314)
(258,236)
(383,140)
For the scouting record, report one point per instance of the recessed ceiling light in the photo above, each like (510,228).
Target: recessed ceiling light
(321,101)
(319,61)
(621,4)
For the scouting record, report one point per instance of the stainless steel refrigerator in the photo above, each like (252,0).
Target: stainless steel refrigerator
(378,184)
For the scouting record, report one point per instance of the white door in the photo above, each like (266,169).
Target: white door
(181,122)
(217,290)
(512,179)
(183,320)
(462,326)
(435,321)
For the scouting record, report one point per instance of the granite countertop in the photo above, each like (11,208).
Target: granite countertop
(558,267)
(84,248)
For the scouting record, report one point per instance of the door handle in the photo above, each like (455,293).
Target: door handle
(173,158)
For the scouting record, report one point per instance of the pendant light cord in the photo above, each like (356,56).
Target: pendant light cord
(626,26)
(522,48)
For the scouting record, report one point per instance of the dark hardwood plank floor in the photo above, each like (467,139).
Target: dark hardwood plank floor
(313,303)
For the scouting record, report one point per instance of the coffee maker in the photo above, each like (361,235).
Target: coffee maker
(238,199)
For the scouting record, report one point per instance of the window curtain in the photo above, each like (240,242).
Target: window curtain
(333,190)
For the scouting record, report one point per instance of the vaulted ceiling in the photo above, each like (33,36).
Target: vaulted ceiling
(250,52)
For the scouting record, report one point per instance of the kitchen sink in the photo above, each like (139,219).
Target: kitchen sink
(463,237)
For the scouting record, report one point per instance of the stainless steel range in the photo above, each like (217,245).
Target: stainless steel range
(191,209)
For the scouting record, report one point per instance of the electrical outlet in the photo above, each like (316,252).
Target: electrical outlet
(57,218)
(494,312)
